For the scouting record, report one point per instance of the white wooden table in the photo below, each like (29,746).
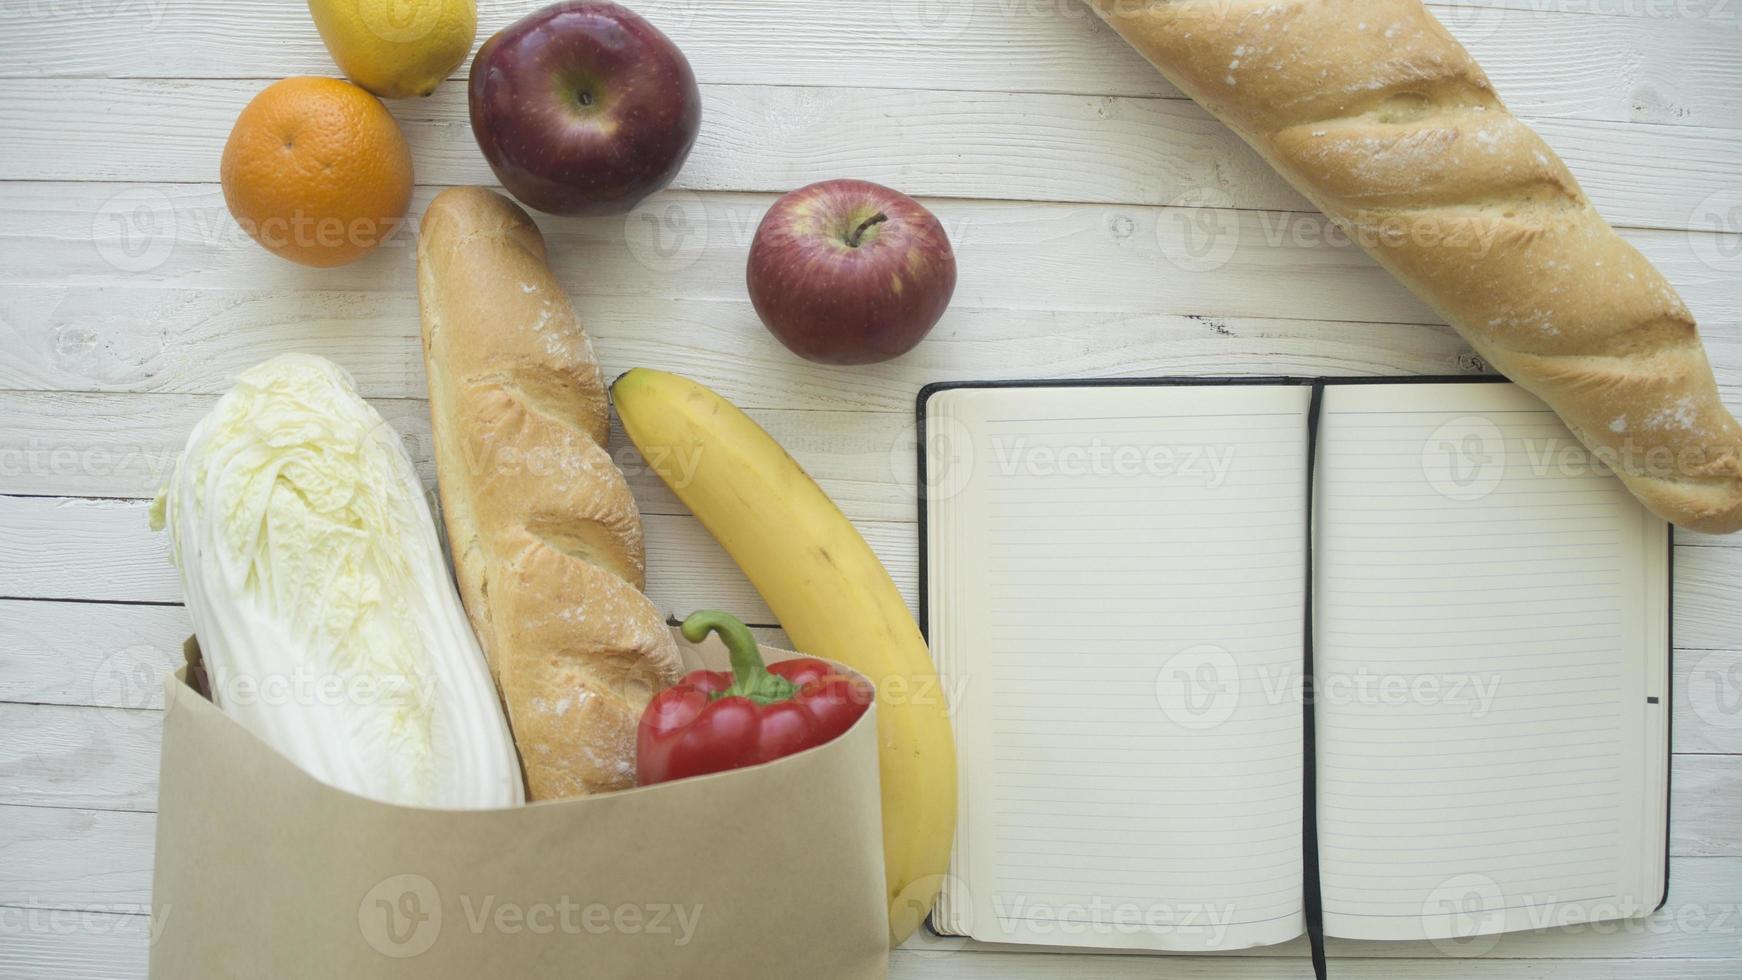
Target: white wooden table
(1105,227)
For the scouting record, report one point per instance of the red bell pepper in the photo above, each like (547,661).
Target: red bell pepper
(712,721)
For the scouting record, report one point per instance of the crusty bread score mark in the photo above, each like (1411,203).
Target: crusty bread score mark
(1380,118)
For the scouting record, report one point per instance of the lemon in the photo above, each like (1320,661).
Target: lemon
(397,48)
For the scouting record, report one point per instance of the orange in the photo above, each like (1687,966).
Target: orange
(317,171)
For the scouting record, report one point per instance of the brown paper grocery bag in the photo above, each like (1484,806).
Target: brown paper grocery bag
(764,873)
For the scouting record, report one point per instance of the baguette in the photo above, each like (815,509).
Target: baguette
(1381,119)
(545,536)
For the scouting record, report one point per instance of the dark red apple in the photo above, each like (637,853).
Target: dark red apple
(850,272)
(584,108)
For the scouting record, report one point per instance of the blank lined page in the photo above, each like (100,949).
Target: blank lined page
(1490,623)
(1116,588)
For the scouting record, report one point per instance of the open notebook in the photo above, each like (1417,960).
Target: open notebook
(1127,582)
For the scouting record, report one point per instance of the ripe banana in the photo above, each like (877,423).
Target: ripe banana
(832,596)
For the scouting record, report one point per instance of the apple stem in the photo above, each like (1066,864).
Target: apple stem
(876,219)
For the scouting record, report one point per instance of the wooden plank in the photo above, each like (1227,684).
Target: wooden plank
(91,654)
(759,138)
(933,143)
(1702,824)
(92,339)
(1708,701)
(125,446)
(83,549)
(102,550)
(95,339)
(80,859)
(125,449)
(1657,62)
(65,944)
(691,246)
(59,548)
(81,758)
(1707,593)
(687,245)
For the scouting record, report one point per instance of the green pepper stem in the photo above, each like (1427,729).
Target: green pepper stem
(750,677)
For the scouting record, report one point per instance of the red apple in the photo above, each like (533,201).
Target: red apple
(583,108)
(850,272)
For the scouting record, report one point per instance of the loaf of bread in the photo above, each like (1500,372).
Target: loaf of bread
(1376,114)
(545,537)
